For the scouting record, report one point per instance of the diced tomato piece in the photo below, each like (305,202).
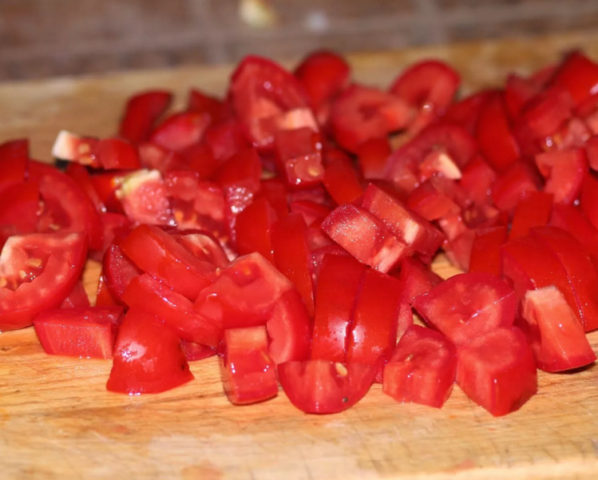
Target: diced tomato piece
(422,368)
(466,112)
(37,272)
(485,250)
(337,286)
(147,357)
(578,75)
(244,293)
(19,208)
(533,210)
(495,138)
(149,294)
(373,331)
(513,184)
(155,157)
(556,336)
(564,171)
(253,228)
(312,212)
(581,273)
(87,332)
(467,305)
(364,236)
(292,256)
(115,226)
(518,91)
(431,202)
(116,154)
(361,113)
(428,86)
(225,139)
(591,147)
(196,351)
(321,386)
(477,179)
(265,97)
(248,373)
(77,298)
(588,199)
(72,147)
(204,246)
(105,185)
(180,130)
(371,157)
(117,271)
(571,219)
(104,297)
(497,370)
(201,102)
(341,179)
(299,157)
(141,113)
(289,329)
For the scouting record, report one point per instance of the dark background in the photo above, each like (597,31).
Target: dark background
(42,38)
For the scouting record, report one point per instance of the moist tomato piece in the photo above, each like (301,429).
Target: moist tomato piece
(364,236)
(65,205)
(224,139)
(497,370)
(87,332)
(19,208)
(422,368)
(299,157)
(266,98)
(513,184)
(564,172)
(147,356)
(467,305)
(180,130)
(529,264)
(248,373)
(196,351)
(37,272)
(253,228)
(578,75)
(337,286)
(117,271)
(114,227)
(428,86)
(116,154)
(477,179)
(466,111)
(156,157)
(292,255)
(203,245)
(449,146)
(156,252)
(149,294)
(588,199)
(571,219)
(371,157)
(141,113)
(14,160)
(361,113)
(342,179)
(485,250)
(104,297)
(322,386)
(581,272)
(533,210)
(373,330)
(77,297)
(144,198)
(557,338)
(201,102)
(243,294)
(289,329)
(494,136)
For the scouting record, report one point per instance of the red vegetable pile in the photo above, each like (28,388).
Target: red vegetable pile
(289,228)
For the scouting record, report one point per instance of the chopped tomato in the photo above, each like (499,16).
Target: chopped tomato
(141,113)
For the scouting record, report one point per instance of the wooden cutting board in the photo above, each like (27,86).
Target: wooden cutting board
(58,421)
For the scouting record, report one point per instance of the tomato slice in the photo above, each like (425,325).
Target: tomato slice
(422,368)
(265,97)
(248,373)
(37,272)
(117,271)
(147,357)
(533,210)
(19,208)
(87,332)
(565,171)
(557,338)
(467,305)
(321,386)
(141,112)
(497,370)
(180,130)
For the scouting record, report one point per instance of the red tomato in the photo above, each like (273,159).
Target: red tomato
(497,370)
(87,332)
(77,298)
(299,157)
(19,208)
(564,171)
(116,154)
(248,373)
(533,210)
(200,102)
(117,271)
(253,227)
(266,98)
(467,305)
(180,130)
(579,75)
(147,357)
(485,250)
(37,272)
(556,336)
(321,386)
(371,157)
(513,184)
(422,368)
(141,112)
(341,179)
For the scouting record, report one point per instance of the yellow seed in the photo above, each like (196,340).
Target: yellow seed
(341,369)
(34,262)
(84,148)
(3,282)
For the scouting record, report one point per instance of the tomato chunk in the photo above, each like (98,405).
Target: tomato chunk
(141,112)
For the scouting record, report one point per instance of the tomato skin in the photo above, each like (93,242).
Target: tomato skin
(371,157)
(77,298)
(180,130)
(497,370)
(571,219)
(321,386)
(513,184)
(578,75)
(61,257)
(533,210)
(117,271)
(485,250)
(141,112)
(253,228)
(556,336)
(564,171)
(147,293)
(87,332)
(19,208)
(116,154)
(248,373)
(147,357)
(341,179)
(422,368)
(364,236)
(467,305)
(200,102)
(338,283)
(299,157)
(156,252)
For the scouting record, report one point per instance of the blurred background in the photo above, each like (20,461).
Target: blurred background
(43,38)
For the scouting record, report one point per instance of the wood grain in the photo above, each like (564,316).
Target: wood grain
(58,421)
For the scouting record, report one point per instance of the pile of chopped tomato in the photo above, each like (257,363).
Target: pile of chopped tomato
(289,228)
